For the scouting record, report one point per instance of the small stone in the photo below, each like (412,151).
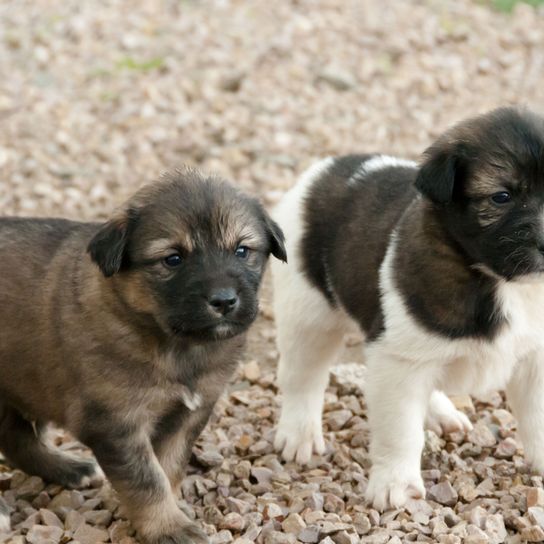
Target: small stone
(232,82)
(337,419)
(361,523)
(242,470)
(495,529)
(337,78)
(30,488)
(443,493)
(98,517)
(262,474)
(293,523)
(463,403)
(41,534)
(232,521)
(50,518)
(478,516)
(332,503)
(475,536)
(329,527)
(222,537)
(506,448)
(309,534)
(243,443)
(209,458)
(481,435)
(504,418)
(86,534)
(73,520)
(65,501)
(343,537)
(315,501)
(379,536)
(532,534)
(276,537)
(535,497)
(272,511)
(252,371)
(536,515)
(212,515)
(237,505)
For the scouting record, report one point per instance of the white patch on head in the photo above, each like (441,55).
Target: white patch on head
(379,162)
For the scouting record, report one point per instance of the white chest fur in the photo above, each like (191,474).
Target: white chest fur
(467,365)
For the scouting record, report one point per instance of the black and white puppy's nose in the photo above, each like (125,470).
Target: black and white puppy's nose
(223,301)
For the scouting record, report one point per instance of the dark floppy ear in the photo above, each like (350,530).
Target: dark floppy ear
(276,238)
(107,247)
(441,173)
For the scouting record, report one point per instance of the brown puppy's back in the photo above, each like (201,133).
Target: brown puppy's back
(31,351)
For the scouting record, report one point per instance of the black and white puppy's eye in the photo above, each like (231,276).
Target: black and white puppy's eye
(503,197)
(172,260)
(242,252)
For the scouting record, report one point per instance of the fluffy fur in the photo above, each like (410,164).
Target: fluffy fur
(442,272)
(125,333)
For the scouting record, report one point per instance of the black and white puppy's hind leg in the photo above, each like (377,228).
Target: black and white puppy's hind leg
(309,335)
(443,417)
(525,394)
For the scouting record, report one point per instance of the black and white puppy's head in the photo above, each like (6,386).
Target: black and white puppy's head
(189,253)
(486,177)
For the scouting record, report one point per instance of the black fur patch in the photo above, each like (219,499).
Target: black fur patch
(347,232)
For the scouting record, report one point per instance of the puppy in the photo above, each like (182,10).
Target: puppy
(441,266)
(125,334)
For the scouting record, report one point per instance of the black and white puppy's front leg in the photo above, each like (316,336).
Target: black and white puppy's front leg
(126,454)
(397,393)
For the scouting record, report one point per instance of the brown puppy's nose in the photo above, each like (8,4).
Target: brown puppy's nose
(223,301)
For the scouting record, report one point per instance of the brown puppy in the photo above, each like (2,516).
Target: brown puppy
(125,334)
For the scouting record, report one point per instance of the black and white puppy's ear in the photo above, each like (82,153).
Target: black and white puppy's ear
(275,236)
(441,175)
(107,248)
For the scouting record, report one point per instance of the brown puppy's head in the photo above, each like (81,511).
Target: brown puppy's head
(189,252)
(485,179)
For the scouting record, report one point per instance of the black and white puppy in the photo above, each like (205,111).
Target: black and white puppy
(441,266)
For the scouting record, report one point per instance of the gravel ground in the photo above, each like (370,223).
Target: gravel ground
(97,98)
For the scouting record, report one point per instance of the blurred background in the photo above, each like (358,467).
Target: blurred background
(97,98)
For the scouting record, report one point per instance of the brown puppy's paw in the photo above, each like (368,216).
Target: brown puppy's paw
(78,473)
(188,534)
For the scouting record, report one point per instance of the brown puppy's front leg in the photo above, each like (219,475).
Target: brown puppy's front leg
(174,436)
(126,455)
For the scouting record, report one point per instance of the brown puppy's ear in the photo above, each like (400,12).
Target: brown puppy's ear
(107,247)
(441,173)
(276,238)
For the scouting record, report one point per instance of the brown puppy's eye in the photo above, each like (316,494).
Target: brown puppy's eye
(242,252)
(173,260)
(501,198)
